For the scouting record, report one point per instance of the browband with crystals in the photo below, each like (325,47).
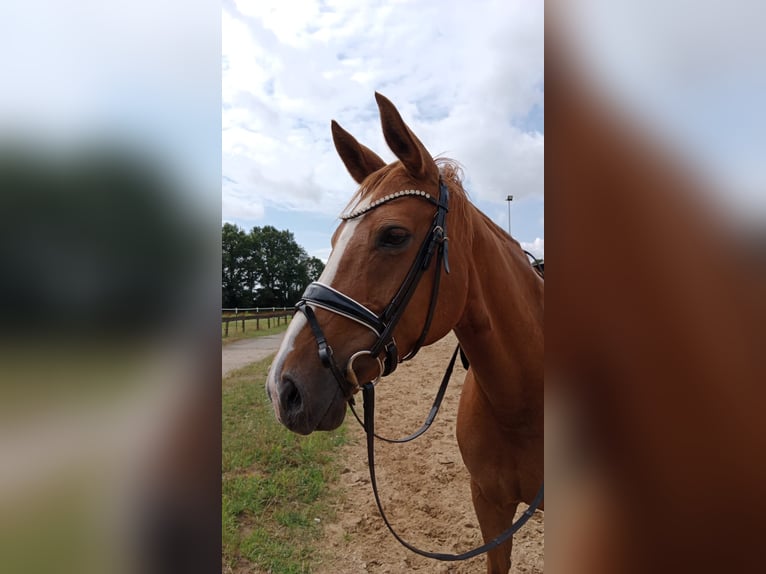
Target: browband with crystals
(387,198)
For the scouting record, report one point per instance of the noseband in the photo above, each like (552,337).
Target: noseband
(325,297)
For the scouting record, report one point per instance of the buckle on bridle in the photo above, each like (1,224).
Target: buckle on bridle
(325,353)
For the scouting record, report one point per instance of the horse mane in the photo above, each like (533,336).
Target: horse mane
(452,174)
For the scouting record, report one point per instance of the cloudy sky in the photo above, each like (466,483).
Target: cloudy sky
(466,76)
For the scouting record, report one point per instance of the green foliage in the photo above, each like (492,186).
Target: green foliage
(275,483)
(265,267)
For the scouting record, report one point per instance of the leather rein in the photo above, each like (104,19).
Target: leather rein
(323,296)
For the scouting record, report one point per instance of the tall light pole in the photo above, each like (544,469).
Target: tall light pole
(509,199)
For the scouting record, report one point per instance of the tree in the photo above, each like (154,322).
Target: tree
(314,267)
(264,268)
(276,259)
(237,264)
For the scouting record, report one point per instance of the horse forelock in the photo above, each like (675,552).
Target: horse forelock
(452,174)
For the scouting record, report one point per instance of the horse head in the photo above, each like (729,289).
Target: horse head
(393,280)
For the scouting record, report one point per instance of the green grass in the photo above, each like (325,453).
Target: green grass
(236,333)
(274,483)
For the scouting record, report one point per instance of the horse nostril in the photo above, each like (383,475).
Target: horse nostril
(293,400)
(290,396)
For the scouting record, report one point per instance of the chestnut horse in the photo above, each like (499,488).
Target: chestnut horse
(487,292)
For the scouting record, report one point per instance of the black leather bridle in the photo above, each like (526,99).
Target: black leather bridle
(325,297)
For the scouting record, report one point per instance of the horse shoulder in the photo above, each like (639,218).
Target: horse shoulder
(492,457)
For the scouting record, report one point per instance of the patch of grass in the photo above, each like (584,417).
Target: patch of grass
(250,332)
(275,483)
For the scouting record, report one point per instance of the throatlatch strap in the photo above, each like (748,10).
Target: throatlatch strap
(431,305)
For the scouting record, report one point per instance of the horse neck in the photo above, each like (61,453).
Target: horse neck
(501,329)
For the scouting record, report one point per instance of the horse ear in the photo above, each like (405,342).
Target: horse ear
(405,145)
(360,161)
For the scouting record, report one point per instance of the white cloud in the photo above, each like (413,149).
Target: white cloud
(236,206)
(536,247)
(464,77)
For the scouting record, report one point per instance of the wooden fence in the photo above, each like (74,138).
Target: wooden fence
(274,317)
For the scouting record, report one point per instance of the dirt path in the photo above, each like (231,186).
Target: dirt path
(240,353)
(424,485)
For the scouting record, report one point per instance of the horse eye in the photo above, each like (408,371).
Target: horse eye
(394,237)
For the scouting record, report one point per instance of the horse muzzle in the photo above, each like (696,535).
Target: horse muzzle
(306,408)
